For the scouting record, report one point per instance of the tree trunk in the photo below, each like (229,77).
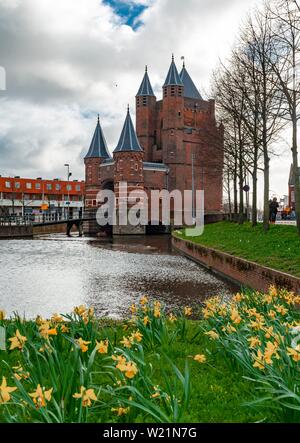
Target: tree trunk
(241,181)
(229,196)
(254,198)
(254,185)
(235,190)
(296,169)
(266,223)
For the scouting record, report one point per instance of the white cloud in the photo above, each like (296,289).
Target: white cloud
(68,60)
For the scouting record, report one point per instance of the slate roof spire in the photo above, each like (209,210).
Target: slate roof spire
(128,139)
(173,78)
(190,90)
(145,88)
(98,147)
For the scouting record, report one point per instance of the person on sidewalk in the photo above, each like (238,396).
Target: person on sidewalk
(273,206)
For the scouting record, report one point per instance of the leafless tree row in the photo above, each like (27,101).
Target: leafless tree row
(257,92)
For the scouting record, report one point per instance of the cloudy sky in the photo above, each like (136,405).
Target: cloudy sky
(68,60)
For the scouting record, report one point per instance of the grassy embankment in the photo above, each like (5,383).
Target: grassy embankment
(165,367)
(278,249)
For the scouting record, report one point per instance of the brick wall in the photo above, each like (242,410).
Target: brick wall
(240,271)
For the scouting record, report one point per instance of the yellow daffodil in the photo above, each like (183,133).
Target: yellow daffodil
(254,341)
(20,373)
(157,313)
(207,313)
(281,309)
(237,297)
(5,391)
(80,310)
(294,353)
(83,344)
(259,361)
(120,411)
(257,324)
(213,335)
(102,346)
(40,396)
(270,351)
(131,370)
(87,396)
(146,320)
(64,329)
(273,291)
(18,341)
(156,392)
(56,318)
(137,336)
(121,362)
(200,358)
(45,330)
(126,342)
(144,300)
(235,317)
(229,328)
(187,311)
(267,299)
(157,304)
(172,318)
(133,309)
(251,312)
(39,320)
(272,314)
(2,315)
(269,332)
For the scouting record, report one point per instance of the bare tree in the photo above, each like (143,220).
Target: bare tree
(284,60)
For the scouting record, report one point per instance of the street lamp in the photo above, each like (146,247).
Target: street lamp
(68,189)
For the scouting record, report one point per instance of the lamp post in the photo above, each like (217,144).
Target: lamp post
(68,178)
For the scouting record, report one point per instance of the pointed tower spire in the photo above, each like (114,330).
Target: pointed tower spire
(145,88)
(173,78)
(128,139)
(98,147)
(190,90)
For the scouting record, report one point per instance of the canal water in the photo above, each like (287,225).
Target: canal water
(54,273)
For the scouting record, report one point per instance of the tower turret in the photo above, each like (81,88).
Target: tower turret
(146,117)
(173,122)
(190,90)
(96,154)
(128,157)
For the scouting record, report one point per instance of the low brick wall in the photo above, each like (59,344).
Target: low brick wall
(52,229)
(15,232)
(238,270)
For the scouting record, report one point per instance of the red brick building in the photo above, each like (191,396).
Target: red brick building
(158,155)
(28,196)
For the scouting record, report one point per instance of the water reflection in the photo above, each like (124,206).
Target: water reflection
(54,273)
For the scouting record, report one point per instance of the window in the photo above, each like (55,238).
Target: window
(48,186)
(28,185)
(77,187)
(57,187)
(37,186)
(17,185)
(7,184)
(69,187)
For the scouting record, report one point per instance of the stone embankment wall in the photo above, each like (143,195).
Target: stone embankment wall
(238,270)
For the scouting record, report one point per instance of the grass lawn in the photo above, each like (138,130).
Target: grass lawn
(217,389)
(279,248)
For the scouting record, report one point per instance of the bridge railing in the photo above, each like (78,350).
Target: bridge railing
(13,220)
